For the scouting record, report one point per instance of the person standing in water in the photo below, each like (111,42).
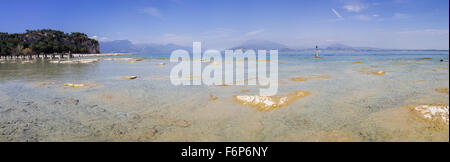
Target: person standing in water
(317,51)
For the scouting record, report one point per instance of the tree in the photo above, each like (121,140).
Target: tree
(18,50)
(27,51)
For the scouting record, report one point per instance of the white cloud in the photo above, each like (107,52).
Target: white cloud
(354,7)
(255,32)
(336,13)
(152,11)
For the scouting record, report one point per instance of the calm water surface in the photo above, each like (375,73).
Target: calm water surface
(351,105)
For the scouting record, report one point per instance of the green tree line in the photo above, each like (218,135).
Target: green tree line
(46,41)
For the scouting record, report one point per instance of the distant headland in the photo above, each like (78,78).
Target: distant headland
(46,41)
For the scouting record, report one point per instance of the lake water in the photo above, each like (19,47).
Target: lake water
(351,103)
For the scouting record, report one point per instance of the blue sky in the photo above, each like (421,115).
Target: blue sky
(412,24)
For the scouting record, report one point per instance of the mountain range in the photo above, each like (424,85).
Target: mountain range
(126,46)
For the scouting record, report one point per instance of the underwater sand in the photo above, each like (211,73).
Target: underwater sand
(346,101)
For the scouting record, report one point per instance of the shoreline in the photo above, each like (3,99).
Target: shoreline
(103,54)
(50,56)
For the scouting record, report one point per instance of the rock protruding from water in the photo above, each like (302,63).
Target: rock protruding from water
(437,113)
(129,77)
(80,85)
(381,72)
(269,103)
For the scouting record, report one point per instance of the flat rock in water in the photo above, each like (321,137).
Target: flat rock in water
(129,77)
(269,103)
(436,113)
(79,85)
(381,72)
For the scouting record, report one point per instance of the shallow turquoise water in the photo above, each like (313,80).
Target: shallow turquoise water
(150,108)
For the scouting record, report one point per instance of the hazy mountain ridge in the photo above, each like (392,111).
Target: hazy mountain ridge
(126,46)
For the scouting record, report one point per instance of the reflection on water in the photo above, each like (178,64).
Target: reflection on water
(351,97)
(43,70)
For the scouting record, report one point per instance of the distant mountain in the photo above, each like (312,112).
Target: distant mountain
(126,46)
(118,46)
(268,45)
(162,49)
(337,46)
(261,44)
(343,47)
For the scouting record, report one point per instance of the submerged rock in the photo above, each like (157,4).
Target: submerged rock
(269,103)
(440,69)
(367,72)
(41,84)
(299,79)
(442,90)
(302,79)
(212,97)
(193,77)
(72,101)
(434,113)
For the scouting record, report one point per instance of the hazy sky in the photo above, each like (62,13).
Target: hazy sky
(412,24)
